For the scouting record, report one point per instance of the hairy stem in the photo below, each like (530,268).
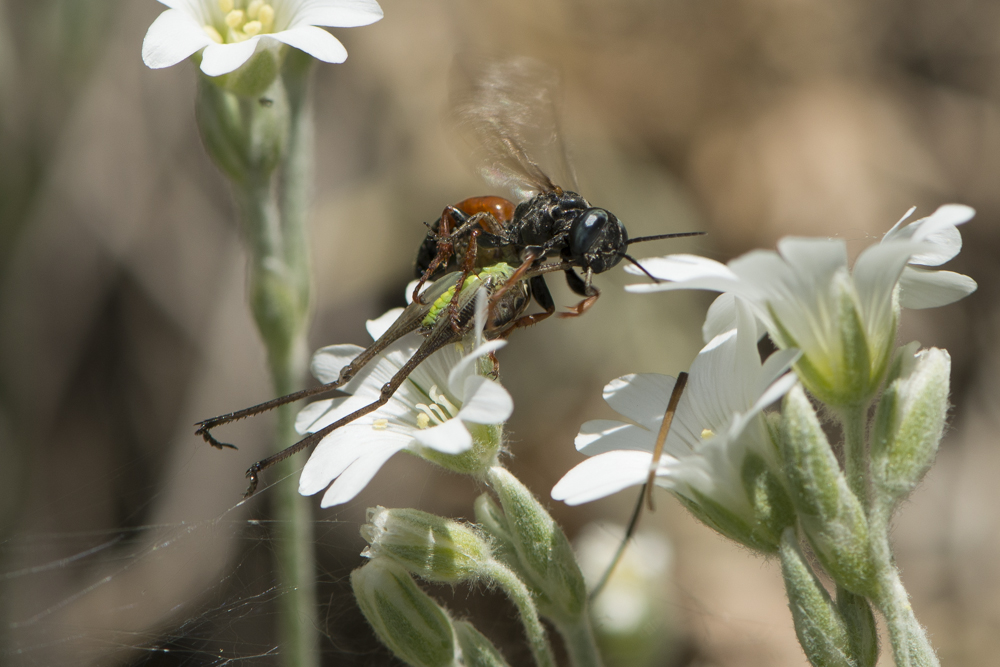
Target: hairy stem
(910,645)
(519,594)
(279,300)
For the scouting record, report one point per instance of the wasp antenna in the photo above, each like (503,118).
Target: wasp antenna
(641,268)
(658,237)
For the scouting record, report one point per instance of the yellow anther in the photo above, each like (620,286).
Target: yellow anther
(423,420)
(266,17)
(234,19)
(253,9)
(380,424)
(213,33)
(707,433)
(252,28)
(226,6)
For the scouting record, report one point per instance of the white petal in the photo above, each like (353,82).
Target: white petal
(308,415)
(339,14)
(599,436)
(315,41)
(778,388)
(642,397)
(685,272)
(465,368)
(328,361)
(381,324)
(601,476)
(807,256)
(356,477)
(875,273)
(220,59)
(339,450)
(930,289)
(451,437)
(945,242)
(172,37)
(721,317)
(485,401)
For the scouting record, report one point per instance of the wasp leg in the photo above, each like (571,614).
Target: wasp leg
(583,288)
(441,336)
(540,290)
(396,331)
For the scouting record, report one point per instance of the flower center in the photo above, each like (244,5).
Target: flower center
(242,20)
(438,412)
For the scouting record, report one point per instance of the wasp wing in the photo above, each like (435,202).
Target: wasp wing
(505,111)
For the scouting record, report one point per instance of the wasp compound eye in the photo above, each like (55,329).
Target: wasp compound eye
(597,239)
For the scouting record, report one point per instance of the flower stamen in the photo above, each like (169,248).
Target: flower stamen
(213,33)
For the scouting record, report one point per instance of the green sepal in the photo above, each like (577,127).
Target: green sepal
(773,510)
(862,633)
(246,137)
(831,516)
(252,78)
(477,650)
(407,620)
(909,421)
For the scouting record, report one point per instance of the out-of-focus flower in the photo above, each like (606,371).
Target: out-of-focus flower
(631,615)
(717,444)
(844,321)
(442,411)
(230,31)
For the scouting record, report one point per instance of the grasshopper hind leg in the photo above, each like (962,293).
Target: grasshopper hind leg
(439,337)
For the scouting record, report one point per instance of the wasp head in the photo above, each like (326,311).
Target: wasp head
(597,240)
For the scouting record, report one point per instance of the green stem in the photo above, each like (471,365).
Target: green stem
(279,300)
(854,422)
(581,645)
(910,645)
(519,594)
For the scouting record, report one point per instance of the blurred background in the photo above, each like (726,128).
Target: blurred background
(123,317)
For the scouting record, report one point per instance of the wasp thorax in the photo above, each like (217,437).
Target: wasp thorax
(597,240)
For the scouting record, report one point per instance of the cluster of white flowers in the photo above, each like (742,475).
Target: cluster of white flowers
(836,326)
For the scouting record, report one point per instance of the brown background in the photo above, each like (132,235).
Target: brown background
(123,320)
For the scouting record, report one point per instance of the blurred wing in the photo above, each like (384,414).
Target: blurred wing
(505,111)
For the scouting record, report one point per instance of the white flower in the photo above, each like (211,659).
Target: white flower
(430,415)
(843,321)
(230,31)
(717,425)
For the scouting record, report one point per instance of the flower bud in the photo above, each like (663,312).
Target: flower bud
(407,620)
(831,516)
(429,546)
(909,421)
(477,650)
(823,632)
(543,551)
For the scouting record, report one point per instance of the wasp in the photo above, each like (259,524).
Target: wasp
(487,243)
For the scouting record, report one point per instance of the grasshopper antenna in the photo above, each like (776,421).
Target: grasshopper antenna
(646,493)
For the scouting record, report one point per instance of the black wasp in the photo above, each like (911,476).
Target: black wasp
(487,242)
